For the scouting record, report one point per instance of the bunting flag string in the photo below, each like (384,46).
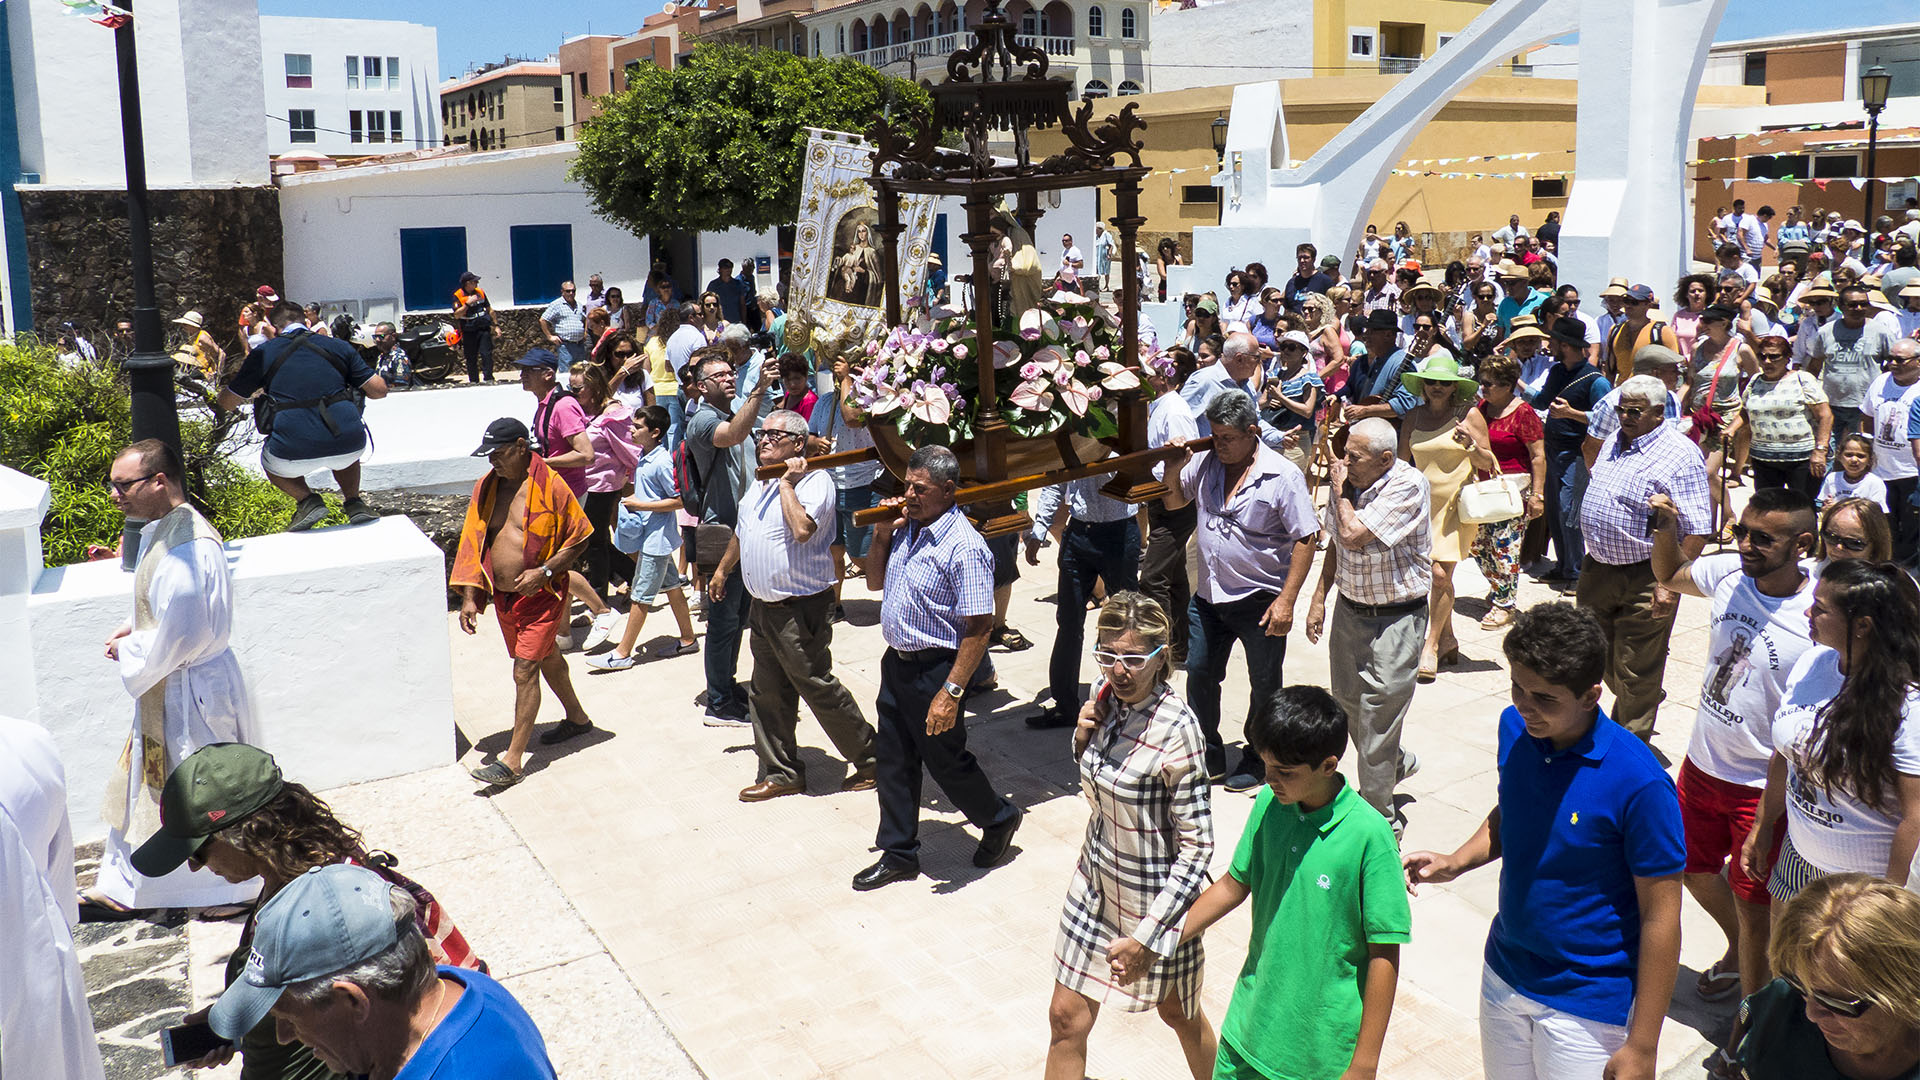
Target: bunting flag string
(1856,182)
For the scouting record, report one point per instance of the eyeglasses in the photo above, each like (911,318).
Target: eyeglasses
(1130,661)
(121,487)
(1847,543)
(768,435)
(1851,1008)
(1632,412)
(1854,305)
(1760,539)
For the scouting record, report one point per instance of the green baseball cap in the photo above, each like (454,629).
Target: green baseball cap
(217,786)
(324,922)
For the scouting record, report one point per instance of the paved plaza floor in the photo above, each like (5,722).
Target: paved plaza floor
(658,927)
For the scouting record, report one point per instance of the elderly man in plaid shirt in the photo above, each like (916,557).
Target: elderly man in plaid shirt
(935,578)
(1648,457)
(1380,554)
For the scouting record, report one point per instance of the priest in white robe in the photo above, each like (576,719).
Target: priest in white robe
(45,1026)
(176,663)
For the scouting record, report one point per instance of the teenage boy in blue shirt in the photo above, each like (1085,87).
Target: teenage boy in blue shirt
(1584,949)
(1329,913)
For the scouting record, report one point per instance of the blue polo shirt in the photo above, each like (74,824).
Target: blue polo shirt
(485,1036)
(1576,827)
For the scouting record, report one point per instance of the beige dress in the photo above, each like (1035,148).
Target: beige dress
(1446,465)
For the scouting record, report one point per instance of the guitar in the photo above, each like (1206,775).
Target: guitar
(1337,425)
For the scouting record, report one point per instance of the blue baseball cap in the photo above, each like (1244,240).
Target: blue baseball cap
(540,358)
(324,921)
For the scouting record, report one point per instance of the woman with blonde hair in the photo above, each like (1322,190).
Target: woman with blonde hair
(1144,859)
(1853,528)
(1846,1002)
(1446,447)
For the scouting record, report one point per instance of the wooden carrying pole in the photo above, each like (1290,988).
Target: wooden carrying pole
(1008,488)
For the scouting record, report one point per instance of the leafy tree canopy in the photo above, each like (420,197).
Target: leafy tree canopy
(720,141)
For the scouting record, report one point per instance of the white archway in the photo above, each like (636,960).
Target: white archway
(1626,212)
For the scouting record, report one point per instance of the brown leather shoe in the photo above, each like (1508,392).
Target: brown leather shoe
(767,789)
(859,782)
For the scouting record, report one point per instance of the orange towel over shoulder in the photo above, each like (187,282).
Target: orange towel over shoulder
(555,522)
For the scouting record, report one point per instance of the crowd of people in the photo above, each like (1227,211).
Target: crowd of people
(1390,426)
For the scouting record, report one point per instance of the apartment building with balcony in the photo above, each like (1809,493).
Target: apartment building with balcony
(506,106)
(348,87)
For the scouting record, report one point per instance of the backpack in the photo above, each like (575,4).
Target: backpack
(543,413)
(686,479)
(266,409)
(1655,326)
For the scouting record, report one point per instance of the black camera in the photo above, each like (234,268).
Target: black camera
(761,342)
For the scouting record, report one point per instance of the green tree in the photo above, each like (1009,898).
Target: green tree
(719,142)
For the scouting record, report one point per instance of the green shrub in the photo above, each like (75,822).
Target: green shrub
(65,424)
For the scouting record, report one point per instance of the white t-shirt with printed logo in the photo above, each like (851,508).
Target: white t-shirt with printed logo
(1836,486)
(1891,405)
(1835,831)
(1755,640)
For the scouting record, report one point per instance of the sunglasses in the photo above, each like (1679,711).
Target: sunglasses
(121,487)
(1851,1008)
(1759,539)
(1847,543)
(1130,661)
(1632,412)
(765,435)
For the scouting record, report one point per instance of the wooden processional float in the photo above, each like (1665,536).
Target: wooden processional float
(1027,391)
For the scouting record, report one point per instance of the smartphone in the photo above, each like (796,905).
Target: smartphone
(189,1042)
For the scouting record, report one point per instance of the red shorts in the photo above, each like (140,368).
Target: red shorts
(529,623)
(1717,817)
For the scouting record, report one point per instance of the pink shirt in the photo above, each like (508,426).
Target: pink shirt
(614,454)
(556,420)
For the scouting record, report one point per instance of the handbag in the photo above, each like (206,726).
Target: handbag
(710,542)
(1706,419)
(1498,498)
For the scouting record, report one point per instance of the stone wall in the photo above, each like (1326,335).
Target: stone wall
(212,247)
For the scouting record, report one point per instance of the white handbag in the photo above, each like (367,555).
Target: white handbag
(1495,499)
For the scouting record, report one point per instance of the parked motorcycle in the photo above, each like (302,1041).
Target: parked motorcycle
(431,348)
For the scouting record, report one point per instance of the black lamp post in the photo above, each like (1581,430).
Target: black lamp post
(1874,83)
(1220,137)
(149,369)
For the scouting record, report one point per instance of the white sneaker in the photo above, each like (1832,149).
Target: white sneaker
(601,629)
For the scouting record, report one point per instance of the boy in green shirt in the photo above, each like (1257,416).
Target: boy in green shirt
(1329,909)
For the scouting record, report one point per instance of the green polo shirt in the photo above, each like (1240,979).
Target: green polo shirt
(1325,885)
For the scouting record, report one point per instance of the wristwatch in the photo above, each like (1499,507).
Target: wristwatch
(547,570)
(954,690)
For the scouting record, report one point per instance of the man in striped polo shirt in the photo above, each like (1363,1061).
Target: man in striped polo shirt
(783,545)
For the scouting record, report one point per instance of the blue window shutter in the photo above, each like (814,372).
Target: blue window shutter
(542,259)
(431,262)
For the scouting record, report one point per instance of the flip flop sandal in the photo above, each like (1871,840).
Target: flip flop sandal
(1010,639)
(93,910)
(1717,983)
(496,774)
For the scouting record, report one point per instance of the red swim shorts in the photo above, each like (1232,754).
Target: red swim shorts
(529,623)
(1717,817)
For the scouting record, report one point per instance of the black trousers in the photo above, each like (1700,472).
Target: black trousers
(604,562)
(1163,569)
(1786,474)
(477,347)
(908,683)
(1904,517)
(1108,551)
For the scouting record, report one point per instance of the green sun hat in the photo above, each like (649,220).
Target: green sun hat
(1440,367)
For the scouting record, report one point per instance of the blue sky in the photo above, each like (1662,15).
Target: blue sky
(474,31)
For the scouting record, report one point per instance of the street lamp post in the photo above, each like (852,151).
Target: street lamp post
(1219,130)
(149,369)
(1874,83)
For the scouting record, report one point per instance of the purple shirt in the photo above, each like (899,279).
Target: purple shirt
(937,576)
(1246,543)
(1613,514)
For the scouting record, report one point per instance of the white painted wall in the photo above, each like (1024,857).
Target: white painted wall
(329,42)
(1232,41)
(200,96)
(341,636)
(343,226)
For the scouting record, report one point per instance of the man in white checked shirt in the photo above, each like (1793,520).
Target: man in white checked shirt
(1648,457)
(1380,554)
(783,545)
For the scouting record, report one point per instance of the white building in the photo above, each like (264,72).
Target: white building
(343,87)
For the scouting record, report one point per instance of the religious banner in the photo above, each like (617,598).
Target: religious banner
(837,283)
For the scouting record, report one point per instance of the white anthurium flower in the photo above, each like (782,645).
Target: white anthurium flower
(1075,329)
(932,406)
(1074,396)
(1116,377)
(887,401)
(1005,354)
(1049,359)
(1067,299)
(1035,323)
(944,312)
(1033,396)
